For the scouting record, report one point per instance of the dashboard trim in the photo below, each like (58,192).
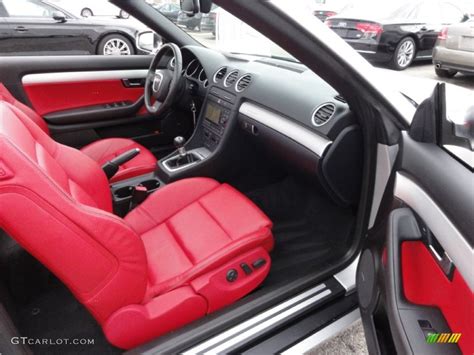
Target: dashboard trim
(312,141)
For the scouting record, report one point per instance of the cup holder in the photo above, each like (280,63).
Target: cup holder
(151,184)
(124,192)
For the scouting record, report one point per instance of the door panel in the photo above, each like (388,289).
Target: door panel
(86,98)
(415,278)
(54,92)
(430,286)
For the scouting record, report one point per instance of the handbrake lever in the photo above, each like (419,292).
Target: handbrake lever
(112,166)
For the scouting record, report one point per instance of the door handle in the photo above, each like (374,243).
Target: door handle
(21,29)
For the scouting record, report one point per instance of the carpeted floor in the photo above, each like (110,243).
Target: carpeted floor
(310,231)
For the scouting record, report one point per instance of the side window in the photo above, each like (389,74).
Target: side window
(451,14)
(26,8)
(429,13)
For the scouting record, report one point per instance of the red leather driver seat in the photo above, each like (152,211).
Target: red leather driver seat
(175,258)
(102,150)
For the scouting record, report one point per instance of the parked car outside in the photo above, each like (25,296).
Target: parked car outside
(396,33)
(41,28)
(88,8)
(171,11)
(454,50)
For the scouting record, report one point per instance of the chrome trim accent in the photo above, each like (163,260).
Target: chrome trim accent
(214,79)
(227,76)
(247,329)
(172,62)
(317,109)
(157,84)
(239,80)
(347,277)
(386,156)
(187,67)
(78,76)
(446,233)
(200,153)
(199,76)
(324,334)
(312,141)
(364,51)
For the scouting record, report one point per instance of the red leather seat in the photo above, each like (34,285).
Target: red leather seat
(102,150)
(172,260)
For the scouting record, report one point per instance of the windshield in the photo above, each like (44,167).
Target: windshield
(380,10)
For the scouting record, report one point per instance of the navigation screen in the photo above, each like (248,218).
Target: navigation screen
(213,113)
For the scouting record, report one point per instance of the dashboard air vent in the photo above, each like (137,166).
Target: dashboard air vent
(340,98)
(323,114)
(243,83)
(220,73)
(231,78)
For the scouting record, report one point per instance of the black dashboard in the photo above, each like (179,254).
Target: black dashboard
(282,106)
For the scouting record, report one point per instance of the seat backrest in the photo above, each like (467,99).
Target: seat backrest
(55,202)
(5,95)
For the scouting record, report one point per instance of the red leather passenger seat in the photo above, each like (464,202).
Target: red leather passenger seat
(177,257)
(102,150)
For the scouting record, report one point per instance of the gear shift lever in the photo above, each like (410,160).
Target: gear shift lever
(179,144)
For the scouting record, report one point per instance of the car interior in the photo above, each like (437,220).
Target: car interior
(142,194)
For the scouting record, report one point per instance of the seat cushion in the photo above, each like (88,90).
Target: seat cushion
(193,226)
(106,149)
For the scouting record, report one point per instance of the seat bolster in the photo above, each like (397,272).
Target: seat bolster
(136,324)
(5,95)
(167,201)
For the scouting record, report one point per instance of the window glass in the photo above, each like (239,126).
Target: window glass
(25,8)
(429,13)
(451,14)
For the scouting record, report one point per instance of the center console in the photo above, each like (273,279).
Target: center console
(209,133)
(217,113)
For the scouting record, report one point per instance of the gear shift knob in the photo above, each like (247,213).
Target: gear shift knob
(179,144)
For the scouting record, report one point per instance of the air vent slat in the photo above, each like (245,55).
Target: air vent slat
(340,98)
(322,114)
(220,73)
(243,83)
(231,78)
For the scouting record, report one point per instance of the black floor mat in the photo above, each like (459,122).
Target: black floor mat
(310,231)
(57,317)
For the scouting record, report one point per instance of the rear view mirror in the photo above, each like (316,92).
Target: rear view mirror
(59,16)
(148,42)
(192,7)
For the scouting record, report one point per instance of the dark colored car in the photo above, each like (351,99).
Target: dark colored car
(395,33)
(171,11)
(40,28)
